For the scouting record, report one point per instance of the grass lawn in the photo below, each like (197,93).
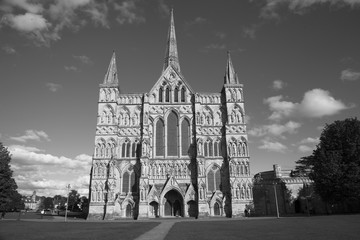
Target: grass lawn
(304,228)
(37,230)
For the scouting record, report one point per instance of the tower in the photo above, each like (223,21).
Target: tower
(171,151)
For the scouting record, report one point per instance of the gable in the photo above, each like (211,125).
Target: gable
(174,81)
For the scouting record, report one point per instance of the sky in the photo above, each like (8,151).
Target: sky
(299,61)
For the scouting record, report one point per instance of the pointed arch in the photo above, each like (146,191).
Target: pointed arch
(161,94)
(185,136)
(213,178)
(183,94)
(167,94)
(176,94)
(172,134)
(160,136)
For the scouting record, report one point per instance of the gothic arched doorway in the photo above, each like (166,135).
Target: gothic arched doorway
(128,210)
(192,208)
(174,204)
(217,209)
(154,209)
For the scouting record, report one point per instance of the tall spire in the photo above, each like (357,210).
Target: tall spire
(230,74)
(171,55)
(111,74)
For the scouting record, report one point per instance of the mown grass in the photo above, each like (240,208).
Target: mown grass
(304,228)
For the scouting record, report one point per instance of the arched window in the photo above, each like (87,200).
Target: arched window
(172,134)
(125,149)
(210,148)
(176,94)
(160,146)
(213,179)
(167,94)
(206,149)
(125,187)
(160,94)
(183,94)
(128,180)
(133,150)
(185,137)
(217,148)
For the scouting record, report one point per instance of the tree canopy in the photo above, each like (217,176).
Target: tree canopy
(334,165)
(10,199)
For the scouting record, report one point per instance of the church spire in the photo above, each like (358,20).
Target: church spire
(230,74)
(171,55)
(111,74)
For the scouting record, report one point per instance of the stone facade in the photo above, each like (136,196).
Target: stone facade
(294,193)
(171,151)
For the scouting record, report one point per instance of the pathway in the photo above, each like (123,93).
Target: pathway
(159,232)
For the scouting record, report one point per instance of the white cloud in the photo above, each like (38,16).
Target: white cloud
(310,140)
(276,130)
(26,148)
(305,148)
(44,21)
(215,46)
(220,35)
(53,87)
(316,103)
(48,174)
(273,146)
(272,8)
(163,8)
(250,32)
(278,85)
(71,68)
(127,10)
(29,6)
(84,59)
(280,108)
(8,49)
(28,22)
(32,135)
(349,75)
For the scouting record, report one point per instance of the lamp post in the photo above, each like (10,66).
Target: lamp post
(276,201)
(67,201)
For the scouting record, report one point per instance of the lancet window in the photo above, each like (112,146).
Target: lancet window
(172,134)
(183,93)
(185,137)
(176,94)
(160,136)
(213,179)
(128,181)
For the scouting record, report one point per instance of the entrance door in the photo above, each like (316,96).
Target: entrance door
(192,208)
(216,209)
(154,209)
(174,204)
(128,211)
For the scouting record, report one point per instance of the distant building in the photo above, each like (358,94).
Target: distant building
(32,202)
(294,193)
(171,151)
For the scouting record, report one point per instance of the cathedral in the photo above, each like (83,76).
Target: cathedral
(171,151)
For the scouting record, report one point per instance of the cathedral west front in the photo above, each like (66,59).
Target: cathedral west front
(171,151)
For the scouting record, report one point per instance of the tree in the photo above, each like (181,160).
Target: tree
(59,202)
(74,200)
(48,203)
(10,199)
(334,165)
